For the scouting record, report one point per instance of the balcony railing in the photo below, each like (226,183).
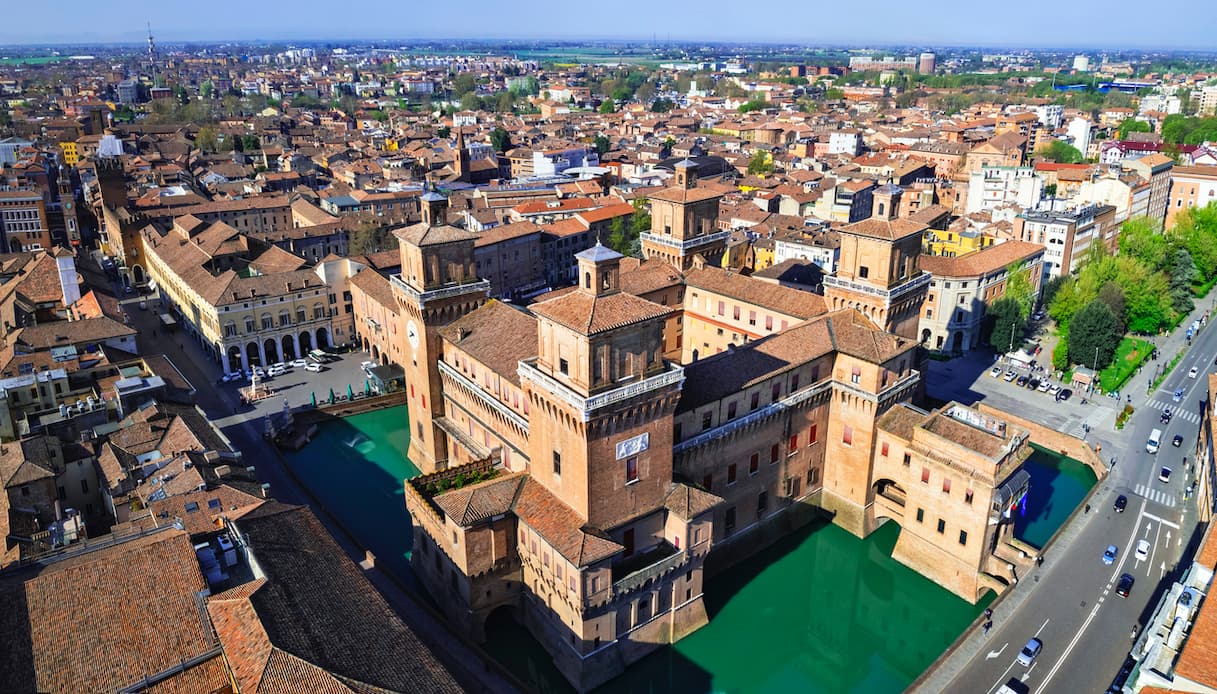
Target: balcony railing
(687,243)
(485,397)
(889,294)
(666,563)
(726,429)
(421,298)
(586,405)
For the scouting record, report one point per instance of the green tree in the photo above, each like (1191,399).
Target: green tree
(500,139)
(1182,274)
(250,143)
(606,106)
(463,84)
(753,105)
(1131,125)
(1141,238)
(834,94)
(760,164)
(662,105)
(470,102)
(619,237)
(206,139)
(369,236)
(443,131)
(602,144)
(1112,295)
(1094,334)
(640,221)
(504,102)
(1006,323)
(1061,152)
(1019,288)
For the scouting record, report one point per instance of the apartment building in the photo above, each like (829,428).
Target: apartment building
(1066,234)
(1191,186)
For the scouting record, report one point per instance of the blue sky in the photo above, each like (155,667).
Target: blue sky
(1030,23)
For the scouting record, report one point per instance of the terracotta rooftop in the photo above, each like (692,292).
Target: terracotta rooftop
(137,617)
(990,259)
(686,195)
(496,334)
(423,234)
(588,314)
(561,526)
(784,300)
(475,503)
(884,229)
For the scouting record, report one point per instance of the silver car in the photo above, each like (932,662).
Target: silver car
(1030,652)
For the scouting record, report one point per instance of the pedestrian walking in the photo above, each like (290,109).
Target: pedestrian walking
(988,613)
(988,626)
(1039,559)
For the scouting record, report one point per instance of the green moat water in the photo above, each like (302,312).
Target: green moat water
(818,611)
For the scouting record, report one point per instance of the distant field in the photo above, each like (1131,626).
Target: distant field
(33,60)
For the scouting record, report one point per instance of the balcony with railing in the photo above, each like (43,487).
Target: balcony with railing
(672,375)
(634,572)
(447,291)
(891,294)
(662,240)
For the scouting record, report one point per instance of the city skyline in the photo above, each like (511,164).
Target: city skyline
(951,23)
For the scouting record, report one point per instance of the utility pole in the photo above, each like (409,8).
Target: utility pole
(1096,369)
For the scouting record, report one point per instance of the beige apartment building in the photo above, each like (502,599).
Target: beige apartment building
(962,288)
(248,304)
(1191,186)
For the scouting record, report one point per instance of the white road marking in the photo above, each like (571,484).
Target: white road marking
(997,653)
(1163,521)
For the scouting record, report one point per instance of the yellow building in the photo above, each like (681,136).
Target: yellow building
(70,154)
(953,244)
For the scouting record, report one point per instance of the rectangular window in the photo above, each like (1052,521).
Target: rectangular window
(863,271)
(942,526)
(731,474)
(813,476)
(794,383)
(735,312)
(722,308)
(776,391)
(563,366)
(707,482)
(705,421)
(855,375)
(191,507)
(729,521)
(754,402)
(920,515)
(963,537)
(794,443)
(631,469)
(925,475)
(557,463)
(627,539)
(812,435)
(847,435)
(773,453)
(754,463)
(908,458)
(883,449)
(752,318)
(967,496)
(769,322)
(731,410)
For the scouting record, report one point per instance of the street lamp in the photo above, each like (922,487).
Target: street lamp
(1096,369)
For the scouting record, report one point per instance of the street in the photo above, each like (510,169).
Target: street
(1070,602)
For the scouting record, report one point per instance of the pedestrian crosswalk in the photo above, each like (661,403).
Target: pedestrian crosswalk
(1157,496)
(1184,413)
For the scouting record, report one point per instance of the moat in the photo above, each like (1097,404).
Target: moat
(818,611)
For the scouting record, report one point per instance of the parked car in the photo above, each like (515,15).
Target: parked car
(314,367)
(1022,381)
(1165,475)
(1109,554)
(1124,587)
(143,305)
(1177,441)
(1193,372)
(1063,394)
(1142,552)
(1010,376)
(233,376)
(1121,503)
(1044,387)
(1054,389)
(995,372)
(1117,684)
(365,365)
(259,371)
(299,363)
(1030,652)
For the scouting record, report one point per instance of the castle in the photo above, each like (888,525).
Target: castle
(582,458)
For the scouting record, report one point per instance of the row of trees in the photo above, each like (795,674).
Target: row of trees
(1142,290)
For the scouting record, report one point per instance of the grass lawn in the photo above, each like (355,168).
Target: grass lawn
(1129,355)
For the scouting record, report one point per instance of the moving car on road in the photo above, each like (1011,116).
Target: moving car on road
(299,363)
(1193,372)
(1030,652)
(1109,554)
(1178,396)
(1121,503)
(314,367)
(1177,441)
(1165,475)
(1124,587)
(1142,552)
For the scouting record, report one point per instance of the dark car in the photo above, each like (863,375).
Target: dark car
(1022,381)
(1177,441)
(1033,383)
(1117,685)
(1121,503)
(1124,587)
(1166,416)
(1063,394)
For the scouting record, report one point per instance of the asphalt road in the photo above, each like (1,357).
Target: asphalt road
(1072,605)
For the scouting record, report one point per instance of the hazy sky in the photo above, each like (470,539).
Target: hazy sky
(1030,23)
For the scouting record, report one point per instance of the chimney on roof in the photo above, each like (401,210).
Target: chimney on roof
(435,207)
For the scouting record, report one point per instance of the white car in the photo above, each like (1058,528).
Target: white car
(365,365)
(278,366)
(232,376)
(1054,389)
(143,306)
(1193,372)
(1142,550)
(313,366)
(258,370)
(299,363)
(1044,386)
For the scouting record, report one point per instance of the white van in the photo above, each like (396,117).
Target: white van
(1155,440)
